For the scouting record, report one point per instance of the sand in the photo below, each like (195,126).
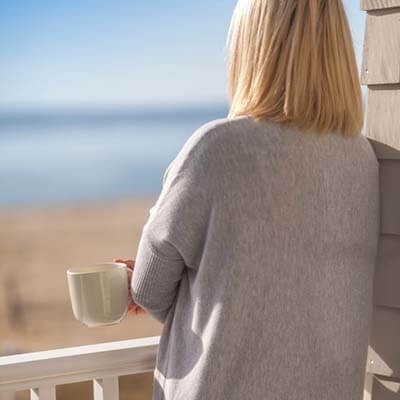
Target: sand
(37,246)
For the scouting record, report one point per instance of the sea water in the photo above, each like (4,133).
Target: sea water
(70,157)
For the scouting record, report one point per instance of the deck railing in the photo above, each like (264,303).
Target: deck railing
(102,363)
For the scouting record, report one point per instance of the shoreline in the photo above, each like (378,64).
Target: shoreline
(37,246)
(73,205)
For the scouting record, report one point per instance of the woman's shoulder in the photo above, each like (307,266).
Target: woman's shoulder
(209,142)
(217,129)
(223,124)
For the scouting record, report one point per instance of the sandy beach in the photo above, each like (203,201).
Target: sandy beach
(36,248)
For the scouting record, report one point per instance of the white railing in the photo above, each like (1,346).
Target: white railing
(102,363)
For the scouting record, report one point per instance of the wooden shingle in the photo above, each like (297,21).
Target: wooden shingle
(381,52)
(384,348)
(382,121)
(386,388)
(367,5)
(387,273)
(390,197)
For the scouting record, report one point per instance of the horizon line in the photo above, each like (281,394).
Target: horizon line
(81,107)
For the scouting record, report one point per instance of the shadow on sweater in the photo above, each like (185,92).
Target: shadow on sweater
(182,366)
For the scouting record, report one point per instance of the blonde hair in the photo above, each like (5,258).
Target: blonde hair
(293,62)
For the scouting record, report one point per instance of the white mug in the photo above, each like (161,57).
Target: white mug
(99,293)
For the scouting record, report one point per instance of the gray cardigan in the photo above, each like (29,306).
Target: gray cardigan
(258,257)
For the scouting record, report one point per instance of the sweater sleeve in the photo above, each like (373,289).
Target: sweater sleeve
(173,236)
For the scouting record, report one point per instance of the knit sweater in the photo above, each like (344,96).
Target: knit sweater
(258,257)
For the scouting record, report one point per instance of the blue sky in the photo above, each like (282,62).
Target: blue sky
(121,52)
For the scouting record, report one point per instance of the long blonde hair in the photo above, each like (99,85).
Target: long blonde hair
(293,62)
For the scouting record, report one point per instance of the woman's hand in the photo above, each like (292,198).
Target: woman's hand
(133,308)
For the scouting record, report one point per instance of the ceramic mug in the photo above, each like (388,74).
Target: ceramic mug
(99,293)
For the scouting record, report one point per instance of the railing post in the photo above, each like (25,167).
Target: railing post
(44,393)
(106,388)
(368,385)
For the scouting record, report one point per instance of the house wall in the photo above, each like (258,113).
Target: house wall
(380,72)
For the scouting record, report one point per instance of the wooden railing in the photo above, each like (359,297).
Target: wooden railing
(103,363)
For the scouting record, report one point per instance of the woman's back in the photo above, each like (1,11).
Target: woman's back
(276,298)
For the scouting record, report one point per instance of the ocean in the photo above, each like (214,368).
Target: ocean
(66,157)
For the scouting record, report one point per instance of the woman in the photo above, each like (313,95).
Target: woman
(258,256)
